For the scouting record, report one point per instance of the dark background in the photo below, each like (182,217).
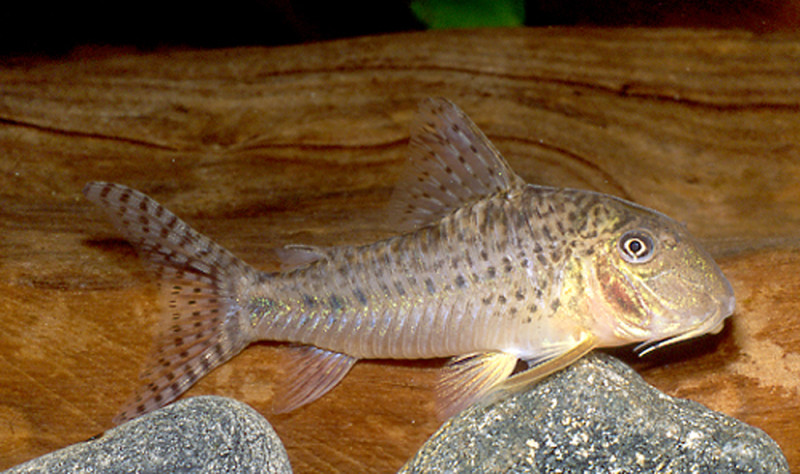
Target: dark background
(56,28)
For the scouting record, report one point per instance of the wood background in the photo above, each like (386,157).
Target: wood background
(263,147)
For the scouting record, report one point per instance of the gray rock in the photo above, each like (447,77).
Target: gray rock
(596,416)
(201,434)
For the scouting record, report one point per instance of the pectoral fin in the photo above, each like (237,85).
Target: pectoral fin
(527,378)
(468,378)
(312,373)
(484,377)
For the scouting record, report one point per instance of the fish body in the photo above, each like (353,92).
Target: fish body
(485,268)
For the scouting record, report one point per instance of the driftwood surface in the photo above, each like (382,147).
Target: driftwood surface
(262,147)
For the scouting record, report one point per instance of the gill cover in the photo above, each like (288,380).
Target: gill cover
(654,280)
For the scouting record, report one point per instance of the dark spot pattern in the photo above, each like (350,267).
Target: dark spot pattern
(430,287)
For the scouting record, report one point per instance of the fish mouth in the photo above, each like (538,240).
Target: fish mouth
(711,323)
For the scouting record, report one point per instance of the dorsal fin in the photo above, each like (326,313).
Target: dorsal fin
(451,163)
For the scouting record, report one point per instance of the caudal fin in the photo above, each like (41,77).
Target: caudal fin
(202,324)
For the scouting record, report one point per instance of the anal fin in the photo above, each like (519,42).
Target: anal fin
(470,377)
(312,373)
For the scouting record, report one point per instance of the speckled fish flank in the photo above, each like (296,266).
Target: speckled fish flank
(485,269)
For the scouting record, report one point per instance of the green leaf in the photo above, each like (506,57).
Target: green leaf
(437,14)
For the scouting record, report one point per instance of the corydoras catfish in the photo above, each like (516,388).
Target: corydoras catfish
(484,268)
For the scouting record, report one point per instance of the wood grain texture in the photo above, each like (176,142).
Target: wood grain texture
(262,147)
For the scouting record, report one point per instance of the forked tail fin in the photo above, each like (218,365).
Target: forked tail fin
(202,324)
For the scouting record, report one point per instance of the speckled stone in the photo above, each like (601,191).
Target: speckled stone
(201,434)
(596,416)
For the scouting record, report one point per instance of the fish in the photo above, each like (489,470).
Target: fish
(484,268)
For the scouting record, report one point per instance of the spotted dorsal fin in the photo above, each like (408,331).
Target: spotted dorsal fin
(451,163)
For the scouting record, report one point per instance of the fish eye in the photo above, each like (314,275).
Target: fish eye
(636,246)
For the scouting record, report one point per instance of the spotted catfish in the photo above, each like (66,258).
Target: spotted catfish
(485,268)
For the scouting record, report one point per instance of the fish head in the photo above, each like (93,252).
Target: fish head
(650,281)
